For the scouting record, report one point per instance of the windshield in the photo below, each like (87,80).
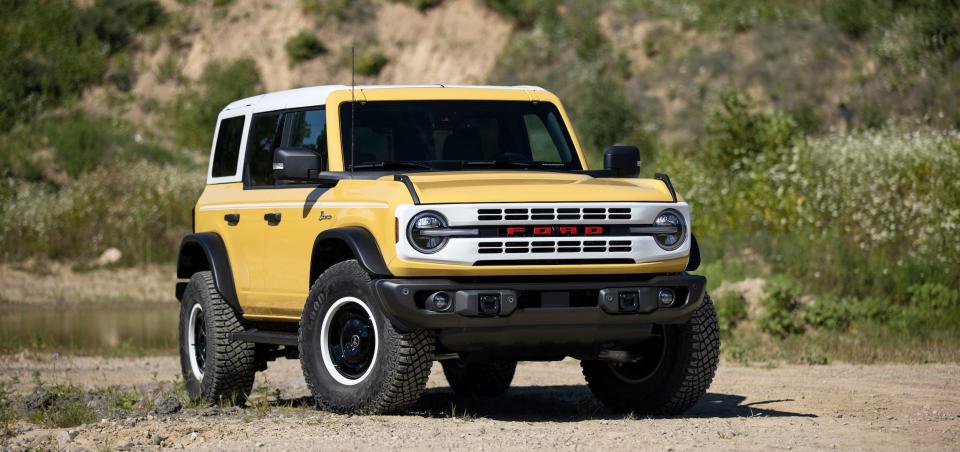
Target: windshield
(448,135)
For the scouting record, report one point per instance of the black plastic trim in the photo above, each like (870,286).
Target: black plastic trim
(694,262)
(666,180)
(398,299)
(409,184)
(215,259)
(267,337)
(362,244)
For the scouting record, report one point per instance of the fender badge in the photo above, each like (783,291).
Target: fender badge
(324,216)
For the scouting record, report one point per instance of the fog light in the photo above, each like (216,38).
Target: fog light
(439,301)
(667,297)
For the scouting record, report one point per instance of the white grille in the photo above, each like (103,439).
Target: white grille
(470,250)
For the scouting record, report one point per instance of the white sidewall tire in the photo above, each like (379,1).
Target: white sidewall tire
(325,341)
(191,344)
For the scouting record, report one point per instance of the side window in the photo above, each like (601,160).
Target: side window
(227,150)
(308,130)
(266,133)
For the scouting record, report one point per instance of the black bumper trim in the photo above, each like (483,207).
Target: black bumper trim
(398,299)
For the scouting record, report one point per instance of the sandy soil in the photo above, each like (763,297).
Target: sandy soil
(890,407)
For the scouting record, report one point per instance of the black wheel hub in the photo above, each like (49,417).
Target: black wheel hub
(651,352)
(351,341)
(200,340)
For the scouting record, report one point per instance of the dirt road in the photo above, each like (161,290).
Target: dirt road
(890,407)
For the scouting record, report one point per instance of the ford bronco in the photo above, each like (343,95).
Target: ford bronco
(369,231)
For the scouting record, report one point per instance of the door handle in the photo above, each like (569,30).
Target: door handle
(272,217)
(232,218)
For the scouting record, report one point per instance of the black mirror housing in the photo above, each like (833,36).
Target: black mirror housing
(622,161)
(296,165)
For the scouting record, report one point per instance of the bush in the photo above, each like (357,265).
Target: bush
(116,22)
(195,110)
(72,143)
(48,54)
(420,5)
(934,297)
(370,60)
(304,46)
(8,416)
(731,310)
(778,317)
(65,406)
(143,209)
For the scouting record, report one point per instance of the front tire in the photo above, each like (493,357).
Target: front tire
(215,368)
(353,359)
(486,379)
(678,363)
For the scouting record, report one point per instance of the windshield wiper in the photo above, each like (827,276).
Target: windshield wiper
(501,163)
(391,165)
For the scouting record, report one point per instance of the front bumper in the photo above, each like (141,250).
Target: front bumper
(540,317)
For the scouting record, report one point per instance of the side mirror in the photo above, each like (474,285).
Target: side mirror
(296,165)
(622,161)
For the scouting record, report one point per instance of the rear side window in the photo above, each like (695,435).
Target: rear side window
(227,150)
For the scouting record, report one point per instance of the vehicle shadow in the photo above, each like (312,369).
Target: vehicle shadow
(562,403)
(573,403)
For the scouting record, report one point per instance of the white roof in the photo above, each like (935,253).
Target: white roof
(317,95)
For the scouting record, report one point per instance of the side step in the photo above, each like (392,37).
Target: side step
(267,337)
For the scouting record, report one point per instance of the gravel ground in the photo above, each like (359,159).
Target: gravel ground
(889,407)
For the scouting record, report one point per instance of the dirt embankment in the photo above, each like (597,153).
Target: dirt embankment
(890,407)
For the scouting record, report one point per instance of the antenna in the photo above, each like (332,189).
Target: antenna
(353,101)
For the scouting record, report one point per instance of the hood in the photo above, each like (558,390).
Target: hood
(532,186)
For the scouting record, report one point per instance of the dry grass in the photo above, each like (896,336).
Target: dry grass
(60,283)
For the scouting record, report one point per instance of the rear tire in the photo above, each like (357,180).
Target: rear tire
(487,379)
(215,368)
(353,360)
(678,366)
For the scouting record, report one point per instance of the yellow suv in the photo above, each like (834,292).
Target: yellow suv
(370,231)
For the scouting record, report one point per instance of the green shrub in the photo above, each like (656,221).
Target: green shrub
(73,143)
(116,22)
(731,310)
(304,46)
(65,408)
(934,296)
(195,110)
(524,12)
(779,315)
(143,209)
(8,416)
(420,5)
(830,314)
(370,60)
(48,54)
(739,136)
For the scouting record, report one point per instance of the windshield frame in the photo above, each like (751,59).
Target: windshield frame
(561,125)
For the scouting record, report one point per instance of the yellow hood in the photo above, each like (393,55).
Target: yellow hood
(532,186)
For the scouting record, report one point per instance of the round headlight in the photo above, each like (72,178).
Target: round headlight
(672,219)
(421,241)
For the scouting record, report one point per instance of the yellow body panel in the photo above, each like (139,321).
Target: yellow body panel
(271,263)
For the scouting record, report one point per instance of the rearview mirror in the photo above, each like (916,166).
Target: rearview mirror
(622,161)
(296,165)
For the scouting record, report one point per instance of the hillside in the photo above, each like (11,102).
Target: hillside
(817,141)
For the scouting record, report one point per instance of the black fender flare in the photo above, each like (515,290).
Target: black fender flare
(362,244)
(694,262)
(205,251)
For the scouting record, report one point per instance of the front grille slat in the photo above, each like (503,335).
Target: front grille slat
(551,214)
(562,246)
